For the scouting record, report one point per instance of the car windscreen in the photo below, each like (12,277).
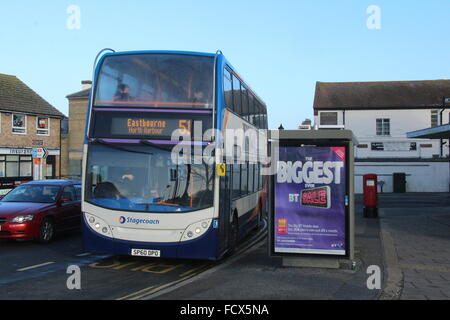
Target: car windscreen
(33,193)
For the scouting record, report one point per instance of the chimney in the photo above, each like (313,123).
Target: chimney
(86,84)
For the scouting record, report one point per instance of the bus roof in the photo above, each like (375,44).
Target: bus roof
(206,54)
(163,52)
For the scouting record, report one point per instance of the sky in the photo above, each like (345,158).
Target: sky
(281,48)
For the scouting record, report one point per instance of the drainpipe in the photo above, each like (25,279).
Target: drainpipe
(440,123)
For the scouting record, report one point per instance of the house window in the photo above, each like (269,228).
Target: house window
(434,118)
(15,166)
(19,123)
(328,118)
(383,127)
(2,166)
(42,126)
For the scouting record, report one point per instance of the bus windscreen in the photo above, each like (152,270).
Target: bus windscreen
(156,80)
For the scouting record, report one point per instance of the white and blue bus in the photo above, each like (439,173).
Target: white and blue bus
(136,199)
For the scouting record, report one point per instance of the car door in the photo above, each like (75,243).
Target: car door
(69,208)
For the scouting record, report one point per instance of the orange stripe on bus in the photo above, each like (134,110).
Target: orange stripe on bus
(168,204)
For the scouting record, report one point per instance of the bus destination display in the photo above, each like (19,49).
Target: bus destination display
(129,126)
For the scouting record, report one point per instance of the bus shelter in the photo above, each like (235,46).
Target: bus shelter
(311,211)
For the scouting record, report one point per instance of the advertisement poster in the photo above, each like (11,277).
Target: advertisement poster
(310,201)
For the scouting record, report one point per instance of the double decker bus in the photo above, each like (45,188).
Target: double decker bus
(157,181)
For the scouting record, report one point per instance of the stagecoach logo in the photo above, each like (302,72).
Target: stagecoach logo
(123,220)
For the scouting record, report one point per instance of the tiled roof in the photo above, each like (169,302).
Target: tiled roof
(80,94)
(392,94)
(16,96)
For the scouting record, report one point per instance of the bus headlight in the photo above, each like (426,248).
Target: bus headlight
(98,225)
(196,229)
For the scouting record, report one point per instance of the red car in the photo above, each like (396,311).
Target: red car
(39,209)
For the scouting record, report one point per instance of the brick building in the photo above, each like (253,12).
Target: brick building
(73,142)
(27,121)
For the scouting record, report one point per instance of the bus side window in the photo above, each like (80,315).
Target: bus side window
(256,183)
(265,118)
(244,179)
(244,95)
(260,184)
(251,169)
(258,115)
(228,89)
(237,95)
(236,181)
(251,108)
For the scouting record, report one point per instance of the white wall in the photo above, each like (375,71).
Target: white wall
(363,125)
(420,176)
(429,176)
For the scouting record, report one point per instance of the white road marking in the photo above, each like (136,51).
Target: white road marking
(83,254)
(35,266)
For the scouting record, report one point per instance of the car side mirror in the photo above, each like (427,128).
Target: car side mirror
(66,199)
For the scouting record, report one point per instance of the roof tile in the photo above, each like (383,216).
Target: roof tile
(16,96)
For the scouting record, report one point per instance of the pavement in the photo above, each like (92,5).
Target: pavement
(256,276)
(416,235)
(410,243)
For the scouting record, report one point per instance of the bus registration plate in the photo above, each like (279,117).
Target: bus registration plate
(145,253)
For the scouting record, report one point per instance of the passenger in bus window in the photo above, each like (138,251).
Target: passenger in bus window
(201,93)
(122,93)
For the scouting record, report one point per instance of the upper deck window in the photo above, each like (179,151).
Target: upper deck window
(156,80)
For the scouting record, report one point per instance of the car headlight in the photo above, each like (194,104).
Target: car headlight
(22,219)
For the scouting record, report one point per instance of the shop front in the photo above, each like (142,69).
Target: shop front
(16,166)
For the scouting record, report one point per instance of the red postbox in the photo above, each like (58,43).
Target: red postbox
(370,202)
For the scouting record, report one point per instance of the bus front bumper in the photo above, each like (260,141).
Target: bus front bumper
(205,247)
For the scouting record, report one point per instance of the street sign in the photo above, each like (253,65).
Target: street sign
(39,153)
(221,169)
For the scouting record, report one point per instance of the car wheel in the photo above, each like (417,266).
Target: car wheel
(46,231)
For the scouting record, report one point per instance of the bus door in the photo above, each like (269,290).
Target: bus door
(225,207)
